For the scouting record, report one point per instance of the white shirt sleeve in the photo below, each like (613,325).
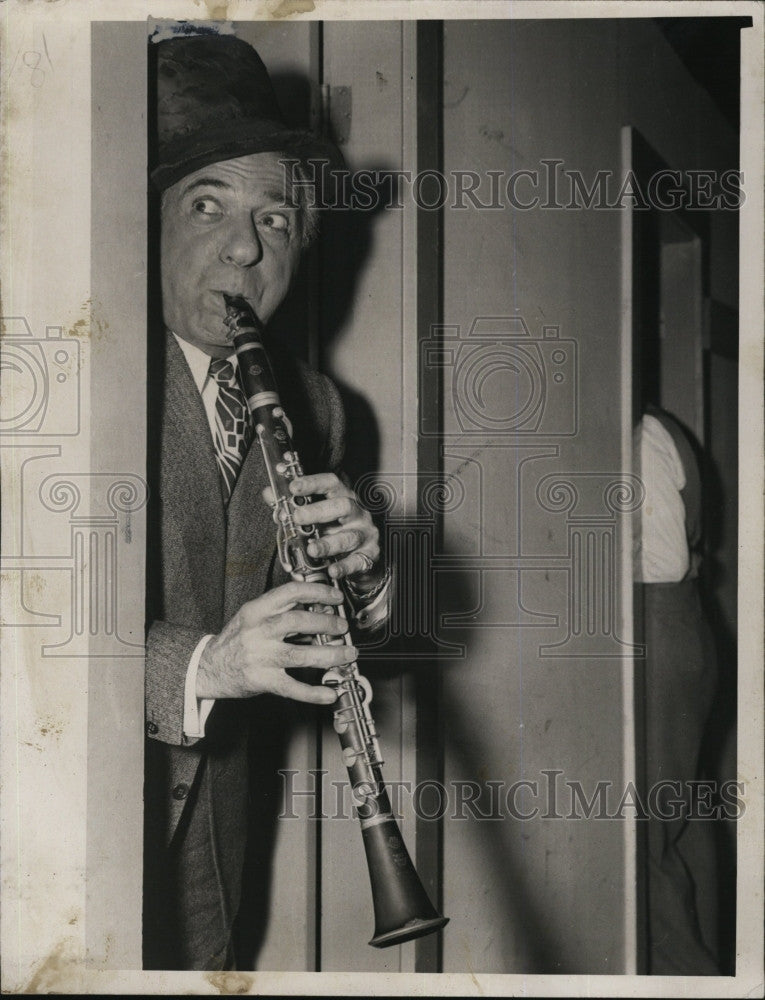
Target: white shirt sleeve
(195,710)
(661,546)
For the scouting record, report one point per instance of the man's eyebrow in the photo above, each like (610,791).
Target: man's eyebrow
(215,182)
(275,195)
(278,196)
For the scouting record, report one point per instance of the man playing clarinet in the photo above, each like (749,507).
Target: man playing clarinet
(221,609)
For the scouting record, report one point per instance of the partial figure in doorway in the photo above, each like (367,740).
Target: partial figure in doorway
(680,686)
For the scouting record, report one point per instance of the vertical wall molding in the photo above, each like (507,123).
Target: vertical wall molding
(427,123)
(117,516)
(633,680)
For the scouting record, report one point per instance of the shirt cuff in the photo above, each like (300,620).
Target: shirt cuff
(369,612)
(195,710)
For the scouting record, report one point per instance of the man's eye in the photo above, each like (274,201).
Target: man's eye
(205,206)
(276,221)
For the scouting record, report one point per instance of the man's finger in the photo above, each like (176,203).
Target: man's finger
(356,562)
(336,543)
(321,657)
(287,596)
(322,482)
(317,694)
(308,623)
(324,511)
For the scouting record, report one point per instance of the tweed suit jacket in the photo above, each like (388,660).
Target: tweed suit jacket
(204,562)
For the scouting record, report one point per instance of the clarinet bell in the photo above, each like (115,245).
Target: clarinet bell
(402,908)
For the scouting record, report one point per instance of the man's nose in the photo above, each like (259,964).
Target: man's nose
(242,245)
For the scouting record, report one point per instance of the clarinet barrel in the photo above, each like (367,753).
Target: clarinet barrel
(402,908)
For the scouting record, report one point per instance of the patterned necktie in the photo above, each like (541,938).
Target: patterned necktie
(232,423)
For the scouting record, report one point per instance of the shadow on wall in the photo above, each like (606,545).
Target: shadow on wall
(347,244)
(411,647)
(513,889)
(274,723)
(343,253)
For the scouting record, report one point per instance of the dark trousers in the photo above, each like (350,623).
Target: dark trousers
(187,923)
(680,686)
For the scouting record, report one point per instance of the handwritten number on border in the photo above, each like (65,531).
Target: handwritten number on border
(32,59)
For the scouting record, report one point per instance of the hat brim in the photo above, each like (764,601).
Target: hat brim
(186,154)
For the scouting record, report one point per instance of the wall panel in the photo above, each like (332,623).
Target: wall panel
(116,557)
(365,338)
(531,698)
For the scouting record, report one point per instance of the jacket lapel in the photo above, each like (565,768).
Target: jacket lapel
(191,485)
(251,534)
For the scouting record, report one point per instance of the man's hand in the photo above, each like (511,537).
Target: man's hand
(349,535)
(250,656)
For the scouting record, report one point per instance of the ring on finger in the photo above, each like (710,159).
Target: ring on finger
(367,562)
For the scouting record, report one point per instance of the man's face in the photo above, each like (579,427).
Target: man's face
(225,228)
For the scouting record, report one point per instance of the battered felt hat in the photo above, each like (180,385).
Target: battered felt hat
(215,101)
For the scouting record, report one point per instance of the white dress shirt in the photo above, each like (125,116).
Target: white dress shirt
(196,710)
(660,547)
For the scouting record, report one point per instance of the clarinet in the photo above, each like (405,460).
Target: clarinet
(402,909)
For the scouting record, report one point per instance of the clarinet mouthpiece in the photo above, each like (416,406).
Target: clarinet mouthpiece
(240,317)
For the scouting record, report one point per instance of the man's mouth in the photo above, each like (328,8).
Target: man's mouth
(233,293)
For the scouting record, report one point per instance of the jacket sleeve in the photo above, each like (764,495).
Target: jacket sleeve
(168,652)
(334,438)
